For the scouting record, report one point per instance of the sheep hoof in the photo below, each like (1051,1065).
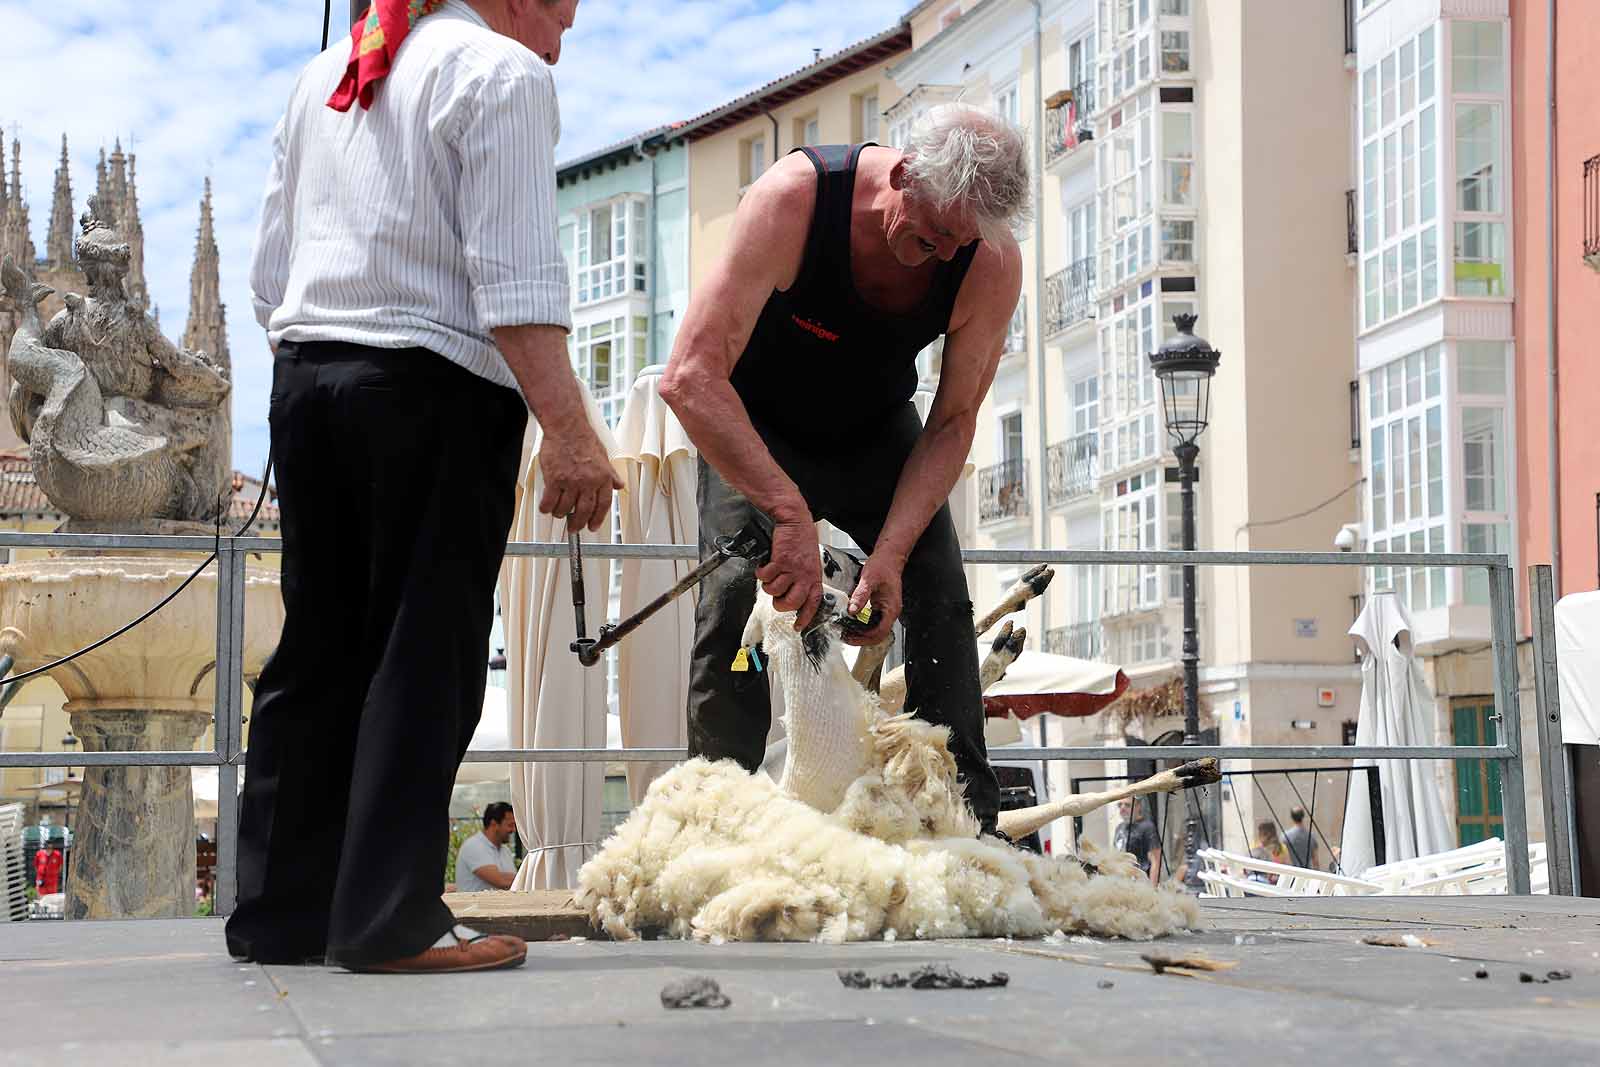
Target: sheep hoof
(1001,639)
(1038,579)
(1199,772)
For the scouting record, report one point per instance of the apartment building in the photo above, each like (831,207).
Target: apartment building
(624,214)
(837,99)
(1196,160)
(1555,242)
(1437,349)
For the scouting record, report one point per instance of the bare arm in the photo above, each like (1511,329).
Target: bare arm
(1155,866)
(495,876)
(972,352)
(579,477)
(763,254)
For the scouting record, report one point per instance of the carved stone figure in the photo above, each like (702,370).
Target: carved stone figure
(123,426)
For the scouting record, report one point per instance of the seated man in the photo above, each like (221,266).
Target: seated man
(793,374)
(484,860)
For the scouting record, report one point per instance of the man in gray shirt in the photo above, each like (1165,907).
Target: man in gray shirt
(484,860)
(1302,846)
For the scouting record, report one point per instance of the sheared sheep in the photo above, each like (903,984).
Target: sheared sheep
(867,836)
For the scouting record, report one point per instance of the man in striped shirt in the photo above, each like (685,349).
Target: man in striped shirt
(409,277)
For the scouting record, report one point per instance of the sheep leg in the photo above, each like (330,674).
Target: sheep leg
(1024,821)
(1003,652)
(868,660)
(1026,588)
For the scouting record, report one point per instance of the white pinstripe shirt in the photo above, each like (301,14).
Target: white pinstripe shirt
(426,221)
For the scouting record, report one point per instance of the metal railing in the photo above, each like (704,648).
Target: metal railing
(1003,491)
(1071,468)
(1080,640)
(228,755)
(1591,211)
(1066,126)
(1069,296)
(1352,240)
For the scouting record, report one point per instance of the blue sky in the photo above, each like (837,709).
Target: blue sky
(195,86)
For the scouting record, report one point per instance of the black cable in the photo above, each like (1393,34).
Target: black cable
(164,601)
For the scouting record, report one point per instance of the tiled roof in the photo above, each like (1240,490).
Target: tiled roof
(859,56)
(20,494)
(623,147)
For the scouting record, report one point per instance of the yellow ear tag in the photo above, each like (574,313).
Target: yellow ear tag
(741,662)
(865,614)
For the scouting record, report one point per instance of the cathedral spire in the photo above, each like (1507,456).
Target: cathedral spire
(5,194)
(58,246)
(16,171)
(132,228)
(100,188)
(207,329)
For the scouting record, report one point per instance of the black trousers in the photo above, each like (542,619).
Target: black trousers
(730,713)
(396,481)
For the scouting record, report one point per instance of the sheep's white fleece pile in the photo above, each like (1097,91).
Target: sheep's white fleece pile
(715,851)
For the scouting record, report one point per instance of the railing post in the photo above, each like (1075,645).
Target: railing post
(228,719)
(1555,774)
(1513,796)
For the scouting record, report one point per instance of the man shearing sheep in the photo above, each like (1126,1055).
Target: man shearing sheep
(844,263)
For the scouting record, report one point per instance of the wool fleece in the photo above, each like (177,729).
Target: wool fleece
(866,837)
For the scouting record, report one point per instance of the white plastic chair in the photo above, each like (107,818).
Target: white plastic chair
(1222,885)
(1291,881)
(13,870)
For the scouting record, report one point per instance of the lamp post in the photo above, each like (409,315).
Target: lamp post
(1184,366)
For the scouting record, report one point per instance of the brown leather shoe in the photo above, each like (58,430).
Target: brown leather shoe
(486,952)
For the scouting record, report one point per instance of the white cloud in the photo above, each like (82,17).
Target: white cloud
(193,87)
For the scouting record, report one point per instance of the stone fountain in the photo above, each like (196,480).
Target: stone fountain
(127,433)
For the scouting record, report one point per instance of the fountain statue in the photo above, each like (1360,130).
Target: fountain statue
(127,433)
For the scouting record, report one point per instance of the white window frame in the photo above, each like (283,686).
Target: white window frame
(870,118)
(1402,400)
(1497,221)
(1401,100)
(1131,521)
(1006,103)
(625,271)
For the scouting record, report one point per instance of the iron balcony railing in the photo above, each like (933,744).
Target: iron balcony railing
(1073,466)
(1069,296)
(1066,125)
(1352,242)
(1080,640)
(1591,211)
(1003,491)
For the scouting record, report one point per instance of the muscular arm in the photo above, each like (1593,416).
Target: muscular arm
(764,254)
(971,353)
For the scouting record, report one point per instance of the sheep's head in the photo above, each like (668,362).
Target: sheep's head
(768,626)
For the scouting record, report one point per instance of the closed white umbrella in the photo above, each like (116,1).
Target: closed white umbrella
(1578,667)
(554,701)
(1396,709)
(658,507)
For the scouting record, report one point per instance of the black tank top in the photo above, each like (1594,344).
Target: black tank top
(823,367)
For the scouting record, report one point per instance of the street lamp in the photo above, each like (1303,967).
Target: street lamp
(1184,366)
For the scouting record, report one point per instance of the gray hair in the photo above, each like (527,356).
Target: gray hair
(958,154)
